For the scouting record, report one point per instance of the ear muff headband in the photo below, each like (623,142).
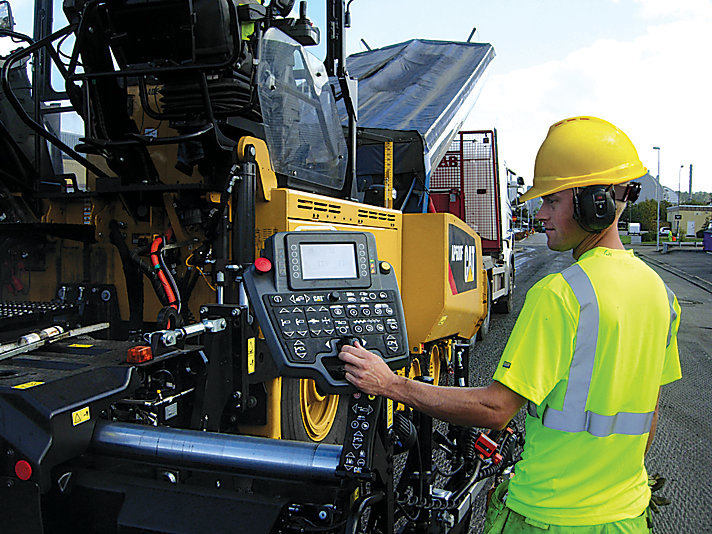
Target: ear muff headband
(595,207)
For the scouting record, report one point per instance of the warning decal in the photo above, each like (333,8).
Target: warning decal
(80,416)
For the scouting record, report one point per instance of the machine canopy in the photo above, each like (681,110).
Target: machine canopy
(425,86)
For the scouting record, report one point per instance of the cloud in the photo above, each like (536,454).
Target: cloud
(654,87)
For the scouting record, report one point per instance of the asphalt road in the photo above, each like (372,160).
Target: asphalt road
(682,450)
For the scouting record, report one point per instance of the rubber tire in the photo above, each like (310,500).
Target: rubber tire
(485,326)
(506,304)
(293,424)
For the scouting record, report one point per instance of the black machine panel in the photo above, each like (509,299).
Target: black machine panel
(320,290)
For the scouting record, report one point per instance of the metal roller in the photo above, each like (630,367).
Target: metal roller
(205,450)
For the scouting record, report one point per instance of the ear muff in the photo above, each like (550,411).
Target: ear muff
(595,207)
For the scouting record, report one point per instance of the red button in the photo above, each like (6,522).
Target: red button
(23,470)
(263,265)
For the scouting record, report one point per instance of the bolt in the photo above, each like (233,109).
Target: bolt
(105,295)
(235,312)
(203,310)
(323,515)
(218,483)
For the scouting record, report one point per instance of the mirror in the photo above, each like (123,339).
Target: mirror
(6,20)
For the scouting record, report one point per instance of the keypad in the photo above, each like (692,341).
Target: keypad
(308,322)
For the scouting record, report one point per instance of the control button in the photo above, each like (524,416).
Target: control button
(277,299)
(369,328)
(352,311)
(382,295)
(342,327)
(365,311)
(299,349)
(380,327)
(391,343)
(337,311)
(263,265)
(385,267)
(392,325)
(358,328)
(333,296)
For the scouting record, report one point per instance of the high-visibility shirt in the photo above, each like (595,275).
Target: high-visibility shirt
(590,350)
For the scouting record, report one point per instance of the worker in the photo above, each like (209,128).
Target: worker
(588,354)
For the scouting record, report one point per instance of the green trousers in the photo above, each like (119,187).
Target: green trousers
(501,519)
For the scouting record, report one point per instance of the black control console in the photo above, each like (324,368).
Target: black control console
(314,292)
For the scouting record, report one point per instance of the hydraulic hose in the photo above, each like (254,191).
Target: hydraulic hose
(158,265)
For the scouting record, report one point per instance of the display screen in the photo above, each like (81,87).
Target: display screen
(328,260)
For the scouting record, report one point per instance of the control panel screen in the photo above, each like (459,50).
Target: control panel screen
(328,261)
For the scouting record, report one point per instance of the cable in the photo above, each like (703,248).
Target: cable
(156,260)
(200,270)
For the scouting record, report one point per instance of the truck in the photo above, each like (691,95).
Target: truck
(467,184)
(179,277)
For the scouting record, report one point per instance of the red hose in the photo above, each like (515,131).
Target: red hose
(155,251)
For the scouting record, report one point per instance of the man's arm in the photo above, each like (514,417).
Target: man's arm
(653,425)
(489,407)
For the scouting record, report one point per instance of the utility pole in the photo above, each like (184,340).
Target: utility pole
(657,199)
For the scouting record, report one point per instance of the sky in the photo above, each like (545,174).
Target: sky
(636,63)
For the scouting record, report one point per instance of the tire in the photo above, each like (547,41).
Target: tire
(310,416)
(485,326)
(506,304)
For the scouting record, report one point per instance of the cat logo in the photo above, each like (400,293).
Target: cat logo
(470,256)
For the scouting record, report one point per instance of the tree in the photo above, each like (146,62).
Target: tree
(646,213)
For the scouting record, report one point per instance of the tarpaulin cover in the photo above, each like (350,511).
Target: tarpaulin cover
(421,85)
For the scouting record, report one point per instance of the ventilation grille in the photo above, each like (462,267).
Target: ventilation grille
(376,215)
(314,205)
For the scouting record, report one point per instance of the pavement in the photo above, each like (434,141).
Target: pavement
(683,259)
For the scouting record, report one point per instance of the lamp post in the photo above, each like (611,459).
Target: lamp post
(657,199)
(679,214)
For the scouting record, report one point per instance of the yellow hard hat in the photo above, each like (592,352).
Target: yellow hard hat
(583,151)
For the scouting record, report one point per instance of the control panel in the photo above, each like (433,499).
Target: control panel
(313,292)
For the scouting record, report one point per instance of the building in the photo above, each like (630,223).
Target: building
(688,219)
(648,185)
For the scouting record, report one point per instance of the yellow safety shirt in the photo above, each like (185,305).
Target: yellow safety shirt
(590,350)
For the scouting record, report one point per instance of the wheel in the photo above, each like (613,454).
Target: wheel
(505,304)
(485,326)
(309,415)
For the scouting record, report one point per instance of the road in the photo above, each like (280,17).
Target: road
(682,448)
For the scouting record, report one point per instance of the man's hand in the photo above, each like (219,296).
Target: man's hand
(367,371)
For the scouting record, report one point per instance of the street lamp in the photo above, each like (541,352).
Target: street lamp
(678,201)
(657,199)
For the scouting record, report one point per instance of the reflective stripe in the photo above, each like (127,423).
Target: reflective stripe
(574,417)
(673,313)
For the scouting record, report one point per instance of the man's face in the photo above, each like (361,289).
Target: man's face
(557,215)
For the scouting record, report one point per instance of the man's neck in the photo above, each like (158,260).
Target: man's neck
(607,238)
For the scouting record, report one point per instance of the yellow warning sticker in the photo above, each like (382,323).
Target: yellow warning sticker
(80,416)
(28,385)
(80,345)
(251,355)
(389,413)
